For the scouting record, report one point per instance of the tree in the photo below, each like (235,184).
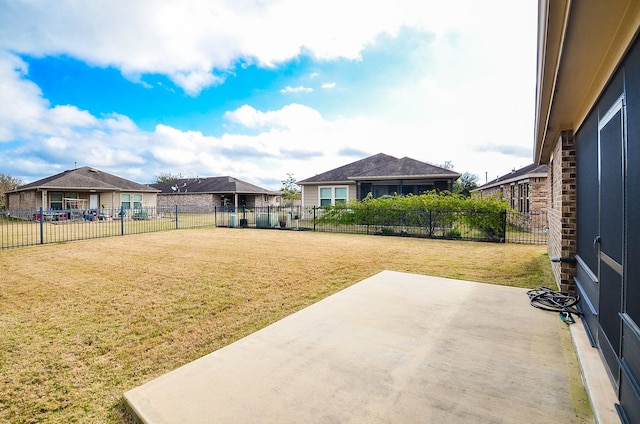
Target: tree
(289,190)
(465,184)
(7,182)
(447,165)
(166,177)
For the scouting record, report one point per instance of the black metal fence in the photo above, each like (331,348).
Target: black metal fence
(500,227)
(26,228)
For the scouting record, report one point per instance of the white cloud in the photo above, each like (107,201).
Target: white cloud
(442,109)
(192,82)
(192,40)
(291,116)
(22,100)
(70,116)
(298,89)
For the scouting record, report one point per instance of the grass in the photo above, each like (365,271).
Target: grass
(83,322)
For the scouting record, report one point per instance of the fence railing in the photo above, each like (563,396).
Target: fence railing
(27,228)
(31,227)
(503,226)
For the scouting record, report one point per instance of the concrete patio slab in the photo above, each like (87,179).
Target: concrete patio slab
(395,347)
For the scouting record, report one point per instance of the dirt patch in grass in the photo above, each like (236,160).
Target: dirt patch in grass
(83,322)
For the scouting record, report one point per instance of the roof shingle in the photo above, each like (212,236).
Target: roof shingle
(516,174)
(85,178)
(381,166)
(224,184)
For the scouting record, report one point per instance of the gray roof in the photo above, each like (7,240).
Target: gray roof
(85,178)
(381,166)
(529,171)
(210,185)
(406,168)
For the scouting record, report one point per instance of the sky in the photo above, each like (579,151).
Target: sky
(261,90)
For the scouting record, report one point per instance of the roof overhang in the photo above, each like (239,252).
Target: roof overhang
(580,44)
(511,180)
(325,183)
(85,189)
(407,177)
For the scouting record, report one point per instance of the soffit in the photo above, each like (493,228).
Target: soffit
(580,44)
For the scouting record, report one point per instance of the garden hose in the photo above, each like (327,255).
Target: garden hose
(555,301)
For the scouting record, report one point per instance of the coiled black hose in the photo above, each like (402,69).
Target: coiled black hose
(555,301)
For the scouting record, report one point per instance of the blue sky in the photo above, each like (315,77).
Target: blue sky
(261,89)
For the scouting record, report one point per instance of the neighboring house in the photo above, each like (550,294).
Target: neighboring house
(215,191)
(83,188)
(379,175)
(525,189)
(587,130)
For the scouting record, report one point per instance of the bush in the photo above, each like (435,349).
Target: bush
(441,210)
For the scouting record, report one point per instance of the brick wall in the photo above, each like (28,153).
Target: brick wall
(23,200)
(495,191)
(561,208)
(537,193)
(209,200)
(188,199)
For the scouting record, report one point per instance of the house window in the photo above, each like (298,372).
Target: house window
(523,197)
(333,195)
(131,200)
(55,201)
(513,196)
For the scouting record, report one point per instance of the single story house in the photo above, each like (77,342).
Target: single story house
(84,188)
(587,130)
(525,189)
(379,175)
(215,191)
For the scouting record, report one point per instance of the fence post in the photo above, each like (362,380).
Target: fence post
(176,217)
(503,224)
(41,226)
(121,220)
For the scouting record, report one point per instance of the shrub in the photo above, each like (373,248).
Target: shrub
(441,210)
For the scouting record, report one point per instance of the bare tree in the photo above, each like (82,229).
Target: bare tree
(7,182)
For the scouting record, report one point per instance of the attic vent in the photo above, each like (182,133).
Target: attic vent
(93,170)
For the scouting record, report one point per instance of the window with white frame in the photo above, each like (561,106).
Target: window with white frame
(129,201)
(55,200)
(523,197)
(513,196)
(126,201)
(333,195)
